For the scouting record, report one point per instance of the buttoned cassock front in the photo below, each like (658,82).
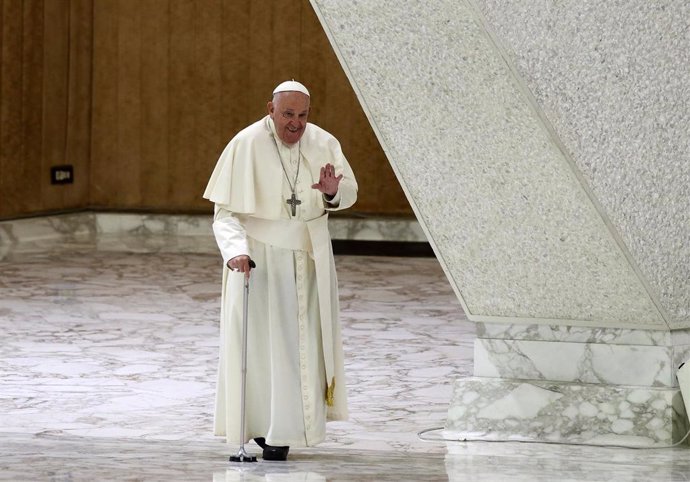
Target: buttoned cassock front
(294,342)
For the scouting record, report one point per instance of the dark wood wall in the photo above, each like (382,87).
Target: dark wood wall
(45,96)
(142,96)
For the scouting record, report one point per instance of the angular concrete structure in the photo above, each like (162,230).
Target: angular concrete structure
(545,151)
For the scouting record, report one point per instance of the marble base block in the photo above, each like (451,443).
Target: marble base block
(154,233)
(578,413)
(641,365)
(607,386)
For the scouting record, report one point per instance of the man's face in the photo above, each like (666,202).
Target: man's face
(289,111)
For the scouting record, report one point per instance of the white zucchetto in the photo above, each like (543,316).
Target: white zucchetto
(291,86)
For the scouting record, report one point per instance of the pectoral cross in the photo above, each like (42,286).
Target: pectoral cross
(293,202)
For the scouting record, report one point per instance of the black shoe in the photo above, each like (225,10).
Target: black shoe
(275,453)
(261,442)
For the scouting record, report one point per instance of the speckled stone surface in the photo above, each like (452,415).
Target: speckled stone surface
(521,235)
(613,79)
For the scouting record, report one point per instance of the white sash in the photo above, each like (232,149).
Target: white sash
(312,237)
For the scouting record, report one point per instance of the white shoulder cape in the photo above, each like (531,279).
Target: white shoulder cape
(246,180)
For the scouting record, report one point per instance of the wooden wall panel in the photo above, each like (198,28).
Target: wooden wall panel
(11,109)
(235,61)
(55,88)
(4,189)
(153,174)
(78,125)
(142,96)
(207,131)
(66,85)
(183,83)
(285,37)
(312,61)
(35,174)
(104,132)
(129,100)
(45,72)
(260,57)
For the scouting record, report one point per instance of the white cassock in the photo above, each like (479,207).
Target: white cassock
(295,375)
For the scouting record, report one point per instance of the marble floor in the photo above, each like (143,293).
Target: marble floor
(107,367)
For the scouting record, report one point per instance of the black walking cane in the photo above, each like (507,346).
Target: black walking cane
(242,455)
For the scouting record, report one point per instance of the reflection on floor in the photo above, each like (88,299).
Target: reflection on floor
(107,369)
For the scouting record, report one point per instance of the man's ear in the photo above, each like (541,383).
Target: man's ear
(269,107)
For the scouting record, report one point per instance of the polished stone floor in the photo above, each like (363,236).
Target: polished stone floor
(107,368)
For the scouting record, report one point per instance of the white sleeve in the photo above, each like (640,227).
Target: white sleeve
(335,202)
(230,234)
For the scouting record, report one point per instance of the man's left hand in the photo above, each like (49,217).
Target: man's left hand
(328,181)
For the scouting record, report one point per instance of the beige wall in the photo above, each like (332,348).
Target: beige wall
(142,96)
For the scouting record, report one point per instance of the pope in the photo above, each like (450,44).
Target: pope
(273,187)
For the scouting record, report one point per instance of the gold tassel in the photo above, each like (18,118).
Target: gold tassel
(329,393)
